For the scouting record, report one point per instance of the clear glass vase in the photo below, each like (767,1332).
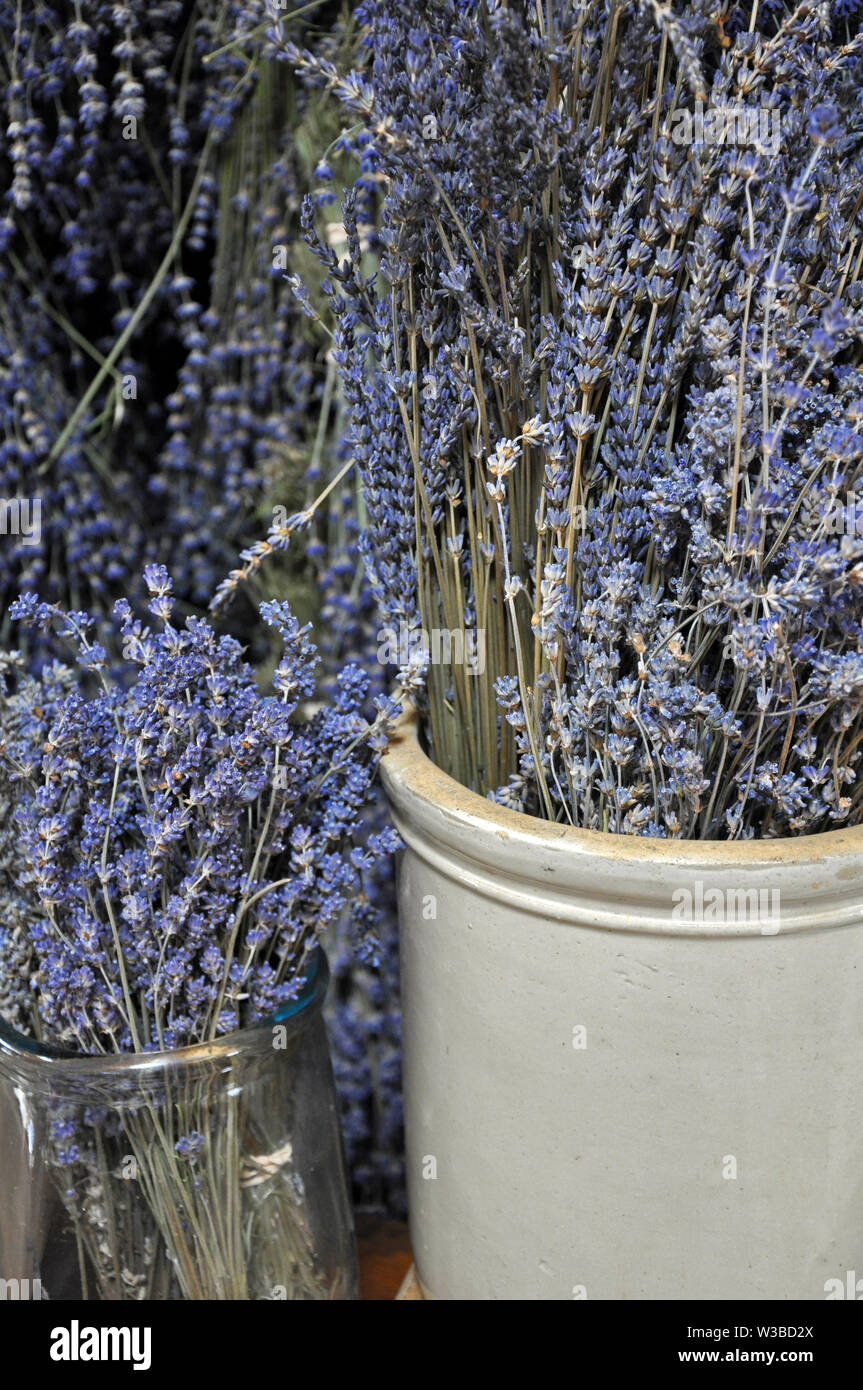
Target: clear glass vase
(211,1172)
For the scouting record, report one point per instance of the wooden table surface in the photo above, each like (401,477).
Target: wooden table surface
(384,1256)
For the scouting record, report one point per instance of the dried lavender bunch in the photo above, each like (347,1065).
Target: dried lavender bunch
(605,395)
(153,371)
(184,839)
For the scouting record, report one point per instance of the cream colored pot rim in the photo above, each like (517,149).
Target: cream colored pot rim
(620,881)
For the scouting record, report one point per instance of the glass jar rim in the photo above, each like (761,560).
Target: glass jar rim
(294,1016)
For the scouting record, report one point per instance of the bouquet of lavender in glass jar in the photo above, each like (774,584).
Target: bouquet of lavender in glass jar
(181,840)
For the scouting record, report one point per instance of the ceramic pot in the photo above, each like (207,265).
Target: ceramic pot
(633,1068)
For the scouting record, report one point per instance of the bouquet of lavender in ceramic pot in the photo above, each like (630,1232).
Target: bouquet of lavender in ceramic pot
(604,392)
(182,841)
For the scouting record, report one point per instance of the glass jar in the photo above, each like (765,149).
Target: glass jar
(210,1172)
